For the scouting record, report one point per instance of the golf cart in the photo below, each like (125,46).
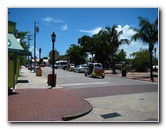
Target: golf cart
(95,70)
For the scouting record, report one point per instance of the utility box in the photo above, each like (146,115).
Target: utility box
(123,72)
(38,71)
(49,79)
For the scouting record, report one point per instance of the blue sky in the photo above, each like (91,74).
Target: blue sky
(69,24)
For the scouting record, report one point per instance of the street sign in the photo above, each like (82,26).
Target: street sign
(56,55)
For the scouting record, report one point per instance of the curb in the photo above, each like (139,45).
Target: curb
(77,115)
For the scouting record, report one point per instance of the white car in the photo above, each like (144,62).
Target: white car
(61,64)
(80,69)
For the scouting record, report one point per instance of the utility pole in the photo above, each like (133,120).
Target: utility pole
(36,29)
(29,38)
(29,43)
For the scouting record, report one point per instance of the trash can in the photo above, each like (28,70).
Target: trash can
(124,72)
(49,79)
(38,72)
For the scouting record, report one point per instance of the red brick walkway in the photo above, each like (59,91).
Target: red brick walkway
(45,105)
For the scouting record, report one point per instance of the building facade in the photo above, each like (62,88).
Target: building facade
(14,49)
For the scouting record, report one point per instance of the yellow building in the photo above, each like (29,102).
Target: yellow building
(14,49)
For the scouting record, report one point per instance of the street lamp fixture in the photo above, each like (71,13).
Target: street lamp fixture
(53,37)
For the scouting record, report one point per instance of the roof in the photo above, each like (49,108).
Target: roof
(15,47)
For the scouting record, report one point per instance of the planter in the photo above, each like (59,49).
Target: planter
(49,79)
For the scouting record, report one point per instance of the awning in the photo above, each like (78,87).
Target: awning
(15,47)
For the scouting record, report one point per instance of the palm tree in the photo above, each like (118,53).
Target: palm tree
(112,41)
(148,33)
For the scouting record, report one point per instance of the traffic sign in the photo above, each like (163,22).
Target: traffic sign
(56,55)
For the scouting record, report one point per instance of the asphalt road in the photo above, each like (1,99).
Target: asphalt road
(69,80)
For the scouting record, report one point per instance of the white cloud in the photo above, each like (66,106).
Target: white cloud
(48,20)
(93,31)
(134,45)
(127,32)
(65,27)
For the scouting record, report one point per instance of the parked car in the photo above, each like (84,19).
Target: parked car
(30,66)
(61,64)
(80,69)
(71,67)
(42,65)
(95,70)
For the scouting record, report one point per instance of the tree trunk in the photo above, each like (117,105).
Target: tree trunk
(92,58)
(113,68)
(151,67)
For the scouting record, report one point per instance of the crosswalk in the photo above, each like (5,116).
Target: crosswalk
(81,84)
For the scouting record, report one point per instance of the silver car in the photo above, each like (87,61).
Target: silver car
(80,69)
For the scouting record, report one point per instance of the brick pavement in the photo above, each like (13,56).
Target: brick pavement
(34,101)
(45,105)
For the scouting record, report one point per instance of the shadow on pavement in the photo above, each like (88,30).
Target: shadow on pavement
(22,81)
(10,92)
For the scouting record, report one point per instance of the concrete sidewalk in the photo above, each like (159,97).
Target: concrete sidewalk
(33,100)
(144,76)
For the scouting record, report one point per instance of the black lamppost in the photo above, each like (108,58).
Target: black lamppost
(53,37)
(39,55)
